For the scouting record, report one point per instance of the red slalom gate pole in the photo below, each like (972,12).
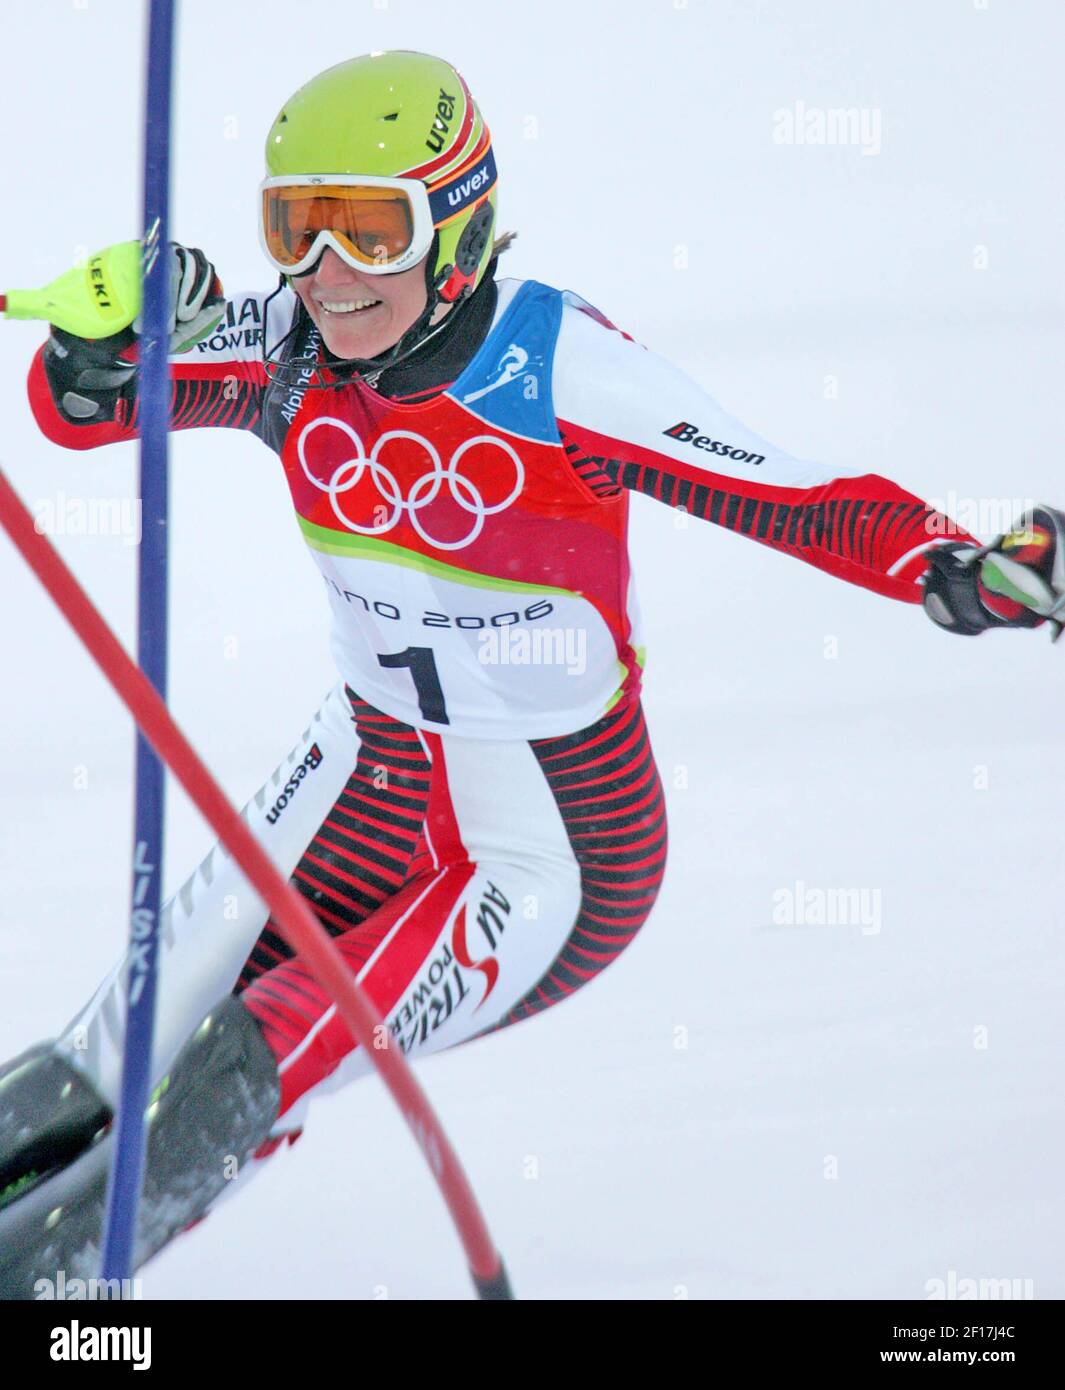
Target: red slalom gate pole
(300,927)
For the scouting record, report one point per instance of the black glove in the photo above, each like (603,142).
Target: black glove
(87,376)
(1017,581)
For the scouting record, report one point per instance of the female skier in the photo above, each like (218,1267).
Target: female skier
(474,812)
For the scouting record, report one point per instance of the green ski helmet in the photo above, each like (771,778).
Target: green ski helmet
(400,115)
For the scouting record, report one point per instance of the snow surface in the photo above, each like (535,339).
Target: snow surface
(611,1162)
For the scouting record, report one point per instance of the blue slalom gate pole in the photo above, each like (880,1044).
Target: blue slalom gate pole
(127,1172)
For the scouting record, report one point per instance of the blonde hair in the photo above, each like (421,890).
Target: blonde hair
(503,243)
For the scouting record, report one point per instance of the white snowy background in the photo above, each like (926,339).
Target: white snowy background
(900,309)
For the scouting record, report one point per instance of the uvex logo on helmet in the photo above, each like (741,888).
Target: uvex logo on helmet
(466,188)
(445,112)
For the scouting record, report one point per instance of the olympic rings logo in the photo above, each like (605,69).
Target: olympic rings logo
(422,492)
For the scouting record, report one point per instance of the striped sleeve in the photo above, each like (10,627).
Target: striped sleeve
(629,420)
(218,383)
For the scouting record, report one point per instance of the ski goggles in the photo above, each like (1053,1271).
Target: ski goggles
(378,226)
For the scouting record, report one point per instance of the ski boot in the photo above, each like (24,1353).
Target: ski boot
(209,1114)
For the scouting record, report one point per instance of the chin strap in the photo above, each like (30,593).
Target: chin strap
(344,370)
(417,335)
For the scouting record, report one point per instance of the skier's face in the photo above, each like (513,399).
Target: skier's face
(362,315)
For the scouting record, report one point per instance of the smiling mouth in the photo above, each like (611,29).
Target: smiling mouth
(341,308)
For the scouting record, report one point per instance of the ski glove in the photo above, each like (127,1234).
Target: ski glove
(88,376)
(196,298)
(1017,581)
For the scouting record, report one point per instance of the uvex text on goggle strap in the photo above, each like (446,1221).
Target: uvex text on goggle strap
(379,226)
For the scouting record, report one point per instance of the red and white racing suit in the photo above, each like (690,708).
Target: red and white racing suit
(474,812)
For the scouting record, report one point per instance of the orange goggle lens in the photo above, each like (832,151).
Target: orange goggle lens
(374,225)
